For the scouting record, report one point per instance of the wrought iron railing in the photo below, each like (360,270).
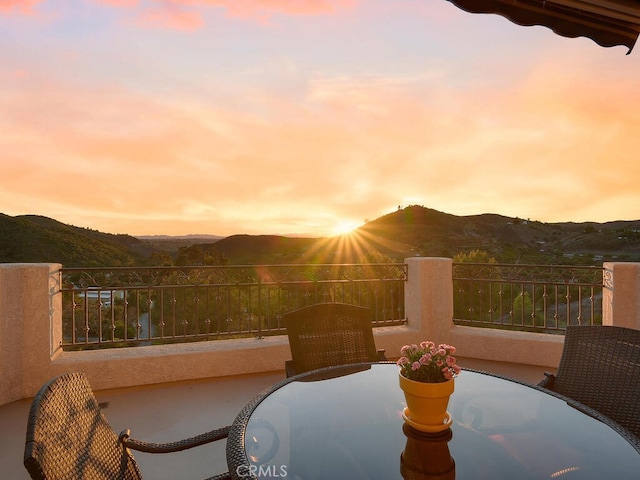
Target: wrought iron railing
(107,307)
(537,298)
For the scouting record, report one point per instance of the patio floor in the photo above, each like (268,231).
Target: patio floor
(178,410)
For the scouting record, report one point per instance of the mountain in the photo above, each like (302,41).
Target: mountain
(509,240)
(410,231)
(36,239)
(264,249)
(416,230)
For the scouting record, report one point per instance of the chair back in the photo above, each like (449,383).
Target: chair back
(600,367)
(330,334)
(69,438)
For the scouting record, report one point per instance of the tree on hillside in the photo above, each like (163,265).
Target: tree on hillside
(200,255)
(474,256)
(163,259)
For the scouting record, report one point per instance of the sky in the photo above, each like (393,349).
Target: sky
(222,117)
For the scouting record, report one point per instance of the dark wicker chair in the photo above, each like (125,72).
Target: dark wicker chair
(68,437)
(329,334)
(600,368)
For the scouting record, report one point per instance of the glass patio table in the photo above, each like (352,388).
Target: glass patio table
(346,423)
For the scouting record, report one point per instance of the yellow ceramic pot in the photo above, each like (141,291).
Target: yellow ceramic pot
(427,402)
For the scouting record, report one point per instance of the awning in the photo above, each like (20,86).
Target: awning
(607,22)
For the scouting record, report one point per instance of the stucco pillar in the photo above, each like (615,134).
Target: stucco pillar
(429,297)
(621,295)
(30,303)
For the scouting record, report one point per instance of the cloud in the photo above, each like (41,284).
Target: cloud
(21,7)
(170,16)
(188,14)
(259,8)
(354,146)
(118,3)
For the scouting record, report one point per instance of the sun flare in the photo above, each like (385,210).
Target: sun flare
(344,227)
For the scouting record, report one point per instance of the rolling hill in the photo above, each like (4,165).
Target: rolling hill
(37,239)
(510,240)
(410,231)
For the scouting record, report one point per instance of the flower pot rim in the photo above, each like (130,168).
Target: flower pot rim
(426,388)
(418,381)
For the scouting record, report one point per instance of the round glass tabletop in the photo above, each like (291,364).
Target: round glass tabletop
(346,423)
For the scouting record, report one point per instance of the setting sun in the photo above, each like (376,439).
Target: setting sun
(345,226)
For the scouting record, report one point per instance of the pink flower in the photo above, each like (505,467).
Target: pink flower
(428,362)
(426,345)
(402,361)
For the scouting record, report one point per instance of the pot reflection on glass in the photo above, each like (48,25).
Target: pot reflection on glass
(426,456)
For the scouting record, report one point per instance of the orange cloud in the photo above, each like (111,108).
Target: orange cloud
(118,3)
(24,7)
(170,16)
(259,10)
(186,15)
(246,8)
(253,8)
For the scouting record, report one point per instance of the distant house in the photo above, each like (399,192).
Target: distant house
(104,296)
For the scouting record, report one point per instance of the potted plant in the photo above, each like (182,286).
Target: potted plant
(427,373)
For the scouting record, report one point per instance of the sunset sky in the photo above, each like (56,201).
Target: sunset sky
(306,116)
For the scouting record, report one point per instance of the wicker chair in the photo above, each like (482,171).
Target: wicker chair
(329,334)
(600,367)
(68,437)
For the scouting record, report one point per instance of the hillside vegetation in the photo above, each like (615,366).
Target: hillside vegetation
(410,231)
(36,239)
(509,240)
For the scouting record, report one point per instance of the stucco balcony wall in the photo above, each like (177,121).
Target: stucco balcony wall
(31,334)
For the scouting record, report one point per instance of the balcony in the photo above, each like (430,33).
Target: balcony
(172,391)
(177,410)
